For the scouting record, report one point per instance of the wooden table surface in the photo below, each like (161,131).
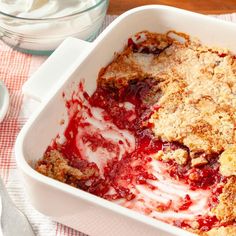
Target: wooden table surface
(202,6)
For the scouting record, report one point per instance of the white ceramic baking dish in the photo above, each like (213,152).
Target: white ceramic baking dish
(75,60)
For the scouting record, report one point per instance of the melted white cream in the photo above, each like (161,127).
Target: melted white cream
(123,140)
(168,189)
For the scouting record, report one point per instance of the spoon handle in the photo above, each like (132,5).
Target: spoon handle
(1,233)
(4,100)
(13,221)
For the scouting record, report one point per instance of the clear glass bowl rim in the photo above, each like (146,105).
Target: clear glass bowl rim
(54,18)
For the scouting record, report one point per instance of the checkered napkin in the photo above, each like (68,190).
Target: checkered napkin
(15,69)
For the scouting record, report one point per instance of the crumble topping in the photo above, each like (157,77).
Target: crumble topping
(54,165)
(197,108)
(199,161)
(135,62)
(226,209)
(179,155)
(228,161)
(221,231)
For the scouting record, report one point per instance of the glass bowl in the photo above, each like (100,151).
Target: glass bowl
(42,36)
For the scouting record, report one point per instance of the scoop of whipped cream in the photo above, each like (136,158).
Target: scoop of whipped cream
(47,35)
(44,8)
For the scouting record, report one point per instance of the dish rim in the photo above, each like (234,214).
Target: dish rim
(92,199)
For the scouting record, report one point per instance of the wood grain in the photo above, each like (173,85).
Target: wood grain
(202,6)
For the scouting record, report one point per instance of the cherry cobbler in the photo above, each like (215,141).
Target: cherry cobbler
(158,135)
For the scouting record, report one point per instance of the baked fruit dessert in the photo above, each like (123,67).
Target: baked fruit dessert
(158,134)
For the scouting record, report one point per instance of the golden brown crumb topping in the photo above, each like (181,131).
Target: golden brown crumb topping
(228,161)
(221,231)
(54,165)
(197,108)
(226,209)
(134,65)
(179,155)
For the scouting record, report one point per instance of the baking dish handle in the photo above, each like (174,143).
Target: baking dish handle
(51,72)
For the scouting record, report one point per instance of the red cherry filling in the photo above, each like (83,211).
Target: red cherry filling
(133,168)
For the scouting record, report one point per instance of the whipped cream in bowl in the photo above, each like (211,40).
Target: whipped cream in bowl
(39,26)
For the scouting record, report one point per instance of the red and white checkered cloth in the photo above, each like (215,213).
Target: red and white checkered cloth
(15,69)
